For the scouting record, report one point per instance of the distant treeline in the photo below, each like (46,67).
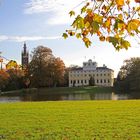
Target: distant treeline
(128,78)
(44,70)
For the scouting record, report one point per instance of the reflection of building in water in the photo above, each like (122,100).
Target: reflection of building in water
(78,97)
(102,76)
(103,96)
(91,96)
(120,96)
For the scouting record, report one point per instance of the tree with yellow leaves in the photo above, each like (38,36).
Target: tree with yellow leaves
(11,65)
(111,20)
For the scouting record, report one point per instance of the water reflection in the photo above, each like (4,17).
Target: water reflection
(9,99)
(121,97)
(58,97)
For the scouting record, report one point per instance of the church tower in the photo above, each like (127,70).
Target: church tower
(25,57)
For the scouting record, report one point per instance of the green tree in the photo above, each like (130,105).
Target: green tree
(66,76)
(129,75)
(91,81)
(111,20)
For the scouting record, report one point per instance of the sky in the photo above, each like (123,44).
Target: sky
(42,22)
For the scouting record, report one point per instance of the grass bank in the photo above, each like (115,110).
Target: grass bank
(19,92)
(81,90)
(79,120)
(58,90)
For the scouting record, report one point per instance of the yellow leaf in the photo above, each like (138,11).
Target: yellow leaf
(107,23)
(72,13)
(98,18)
(64,35)
(120,16)
(83,10)
(87,24)
(11,65)
(78,35)
(120,2)
(87,42)
(133,25)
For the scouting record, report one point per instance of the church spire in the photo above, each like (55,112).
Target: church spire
(24,48)
(25,56)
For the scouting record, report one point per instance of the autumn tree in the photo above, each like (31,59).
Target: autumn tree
(15,80)
(4,79)
(45,70)
(37,67)
(111,20)
(56,69)
(11,79)
(12,65)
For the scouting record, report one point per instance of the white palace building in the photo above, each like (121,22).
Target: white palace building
(102,76)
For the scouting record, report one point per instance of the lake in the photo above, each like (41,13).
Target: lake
(61,97)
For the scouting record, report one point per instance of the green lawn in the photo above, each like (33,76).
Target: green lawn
(70,120)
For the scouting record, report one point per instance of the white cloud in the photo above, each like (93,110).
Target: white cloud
(26,38)
(58,9)
(3,37)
